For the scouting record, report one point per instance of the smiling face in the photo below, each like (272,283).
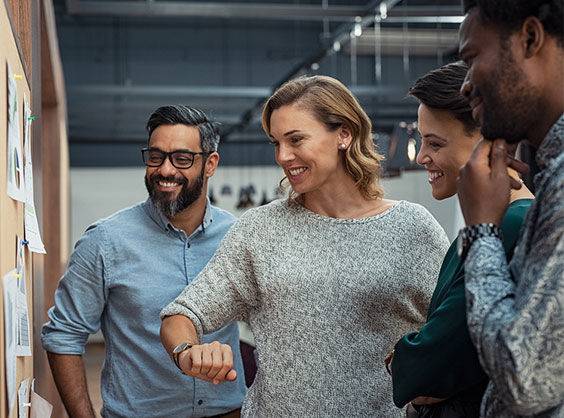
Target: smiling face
(445,148)
(306,150)
(503,100)
(170,188)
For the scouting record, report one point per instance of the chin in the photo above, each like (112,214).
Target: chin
(300,189)
(441,194)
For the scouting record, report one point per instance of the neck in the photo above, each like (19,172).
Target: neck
(537,133)
(553,105)
(193,216)
(339,200)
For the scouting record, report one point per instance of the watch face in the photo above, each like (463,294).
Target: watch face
(180,348)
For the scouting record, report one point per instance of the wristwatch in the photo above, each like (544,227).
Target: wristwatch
(179,349)
(469,234)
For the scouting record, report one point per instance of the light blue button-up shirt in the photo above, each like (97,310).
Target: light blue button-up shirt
(122,272)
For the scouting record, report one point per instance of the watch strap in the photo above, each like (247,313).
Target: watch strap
(470,234)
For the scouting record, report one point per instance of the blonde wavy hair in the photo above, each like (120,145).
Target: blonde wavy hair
(333,104)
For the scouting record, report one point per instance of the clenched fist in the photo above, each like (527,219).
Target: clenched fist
(212,362)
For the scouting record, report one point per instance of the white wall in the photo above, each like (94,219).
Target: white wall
(99,192)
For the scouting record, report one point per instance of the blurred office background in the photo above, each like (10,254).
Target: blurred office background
(123,59)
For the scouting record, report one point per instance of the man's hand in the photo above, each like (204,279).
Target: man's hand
(484,184)
(212,362)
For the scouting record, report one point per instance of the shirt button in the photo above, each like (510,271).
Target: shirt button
(200,402)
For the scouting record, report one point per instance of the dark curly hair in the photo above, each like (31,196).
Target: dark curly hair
(509,15)
(440,89)
(189,116)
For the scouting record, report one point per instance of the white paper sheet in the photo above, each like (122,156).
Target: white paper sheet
(23,333)
(40,408)
(28,166)
(24,403)
(32,232)
(15,177)
(10,334)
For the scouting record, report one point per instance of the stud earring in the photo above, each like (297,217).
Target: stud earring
(342,146)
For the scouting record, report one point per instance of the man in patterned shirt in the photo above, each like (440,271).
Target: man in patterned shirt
(515,53)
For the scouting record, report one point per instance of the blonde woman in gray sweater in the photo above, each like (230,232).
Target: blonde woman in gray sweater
(328,279)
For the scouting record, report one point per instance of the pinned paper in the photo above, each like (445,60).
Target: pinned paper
(32,232)
(10,334)
(15,177)
(40,408)
(24,403)
(23,332)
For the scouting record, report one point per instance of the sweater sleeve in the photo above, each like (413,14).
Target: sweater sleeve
(226,289)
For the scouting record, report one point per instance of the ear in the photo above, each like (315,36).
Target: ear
(532,36)
(345,135)
(211,164)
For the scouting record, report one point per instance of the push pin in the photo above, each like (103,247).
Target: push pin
(31,118)
(25,242)
(18,76)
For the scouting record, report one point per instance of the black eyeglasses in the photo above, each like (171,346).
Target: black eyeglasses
(182,158)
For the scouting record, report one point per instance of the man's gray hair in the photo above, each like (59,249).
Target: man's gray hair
(184,115)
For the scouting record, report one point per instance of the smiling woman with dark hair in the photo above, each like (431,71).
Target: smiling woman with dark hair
(437,368)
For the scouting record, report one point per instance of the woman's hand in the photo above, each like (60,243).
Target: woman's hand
(212,362)
(426,400)
(388,361)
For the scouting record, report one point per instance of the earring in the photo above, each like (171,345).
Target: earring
(342,146)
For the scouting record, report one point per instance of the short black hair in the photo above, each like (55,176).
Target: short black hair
(440,89)
(184,115)
(509,15)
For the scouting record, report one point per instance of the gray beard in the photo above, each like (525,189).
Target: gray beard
(189,193)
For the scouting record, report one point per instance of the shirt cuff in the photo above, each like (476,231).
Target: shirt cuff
(175,308)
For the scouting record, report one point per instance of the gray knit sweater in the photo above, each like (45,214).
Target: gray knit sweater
(326,300)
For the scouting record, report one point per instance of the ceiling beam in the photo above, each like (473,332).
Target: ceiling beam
(169,91)
(208,91)
(229,10)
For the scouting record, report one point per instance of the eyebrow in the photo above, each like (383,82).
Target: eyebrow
(432,135)
(176,150)
(291,132)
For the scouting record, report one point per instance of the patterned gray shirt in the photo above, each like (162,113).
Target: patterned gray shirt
(515,313)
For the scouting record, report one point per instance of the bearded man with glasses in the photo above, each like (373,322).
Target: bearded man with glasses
(129,266)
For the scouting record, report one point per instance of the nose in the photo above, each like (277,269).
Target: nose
(422,156)
(466,88)
(284,154)
(167,169)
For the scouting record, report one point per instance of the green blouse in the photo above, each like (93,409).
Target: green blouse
(440,361)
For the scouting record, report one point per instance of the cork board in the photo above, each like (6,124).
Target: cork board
(11,211)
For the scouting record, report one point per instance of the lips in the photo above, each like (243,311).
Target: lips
(296,174)
(167,184)
(434,175)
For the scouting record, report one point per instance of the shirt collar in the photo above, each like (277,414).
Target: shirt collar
(553,144)
(163,222)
